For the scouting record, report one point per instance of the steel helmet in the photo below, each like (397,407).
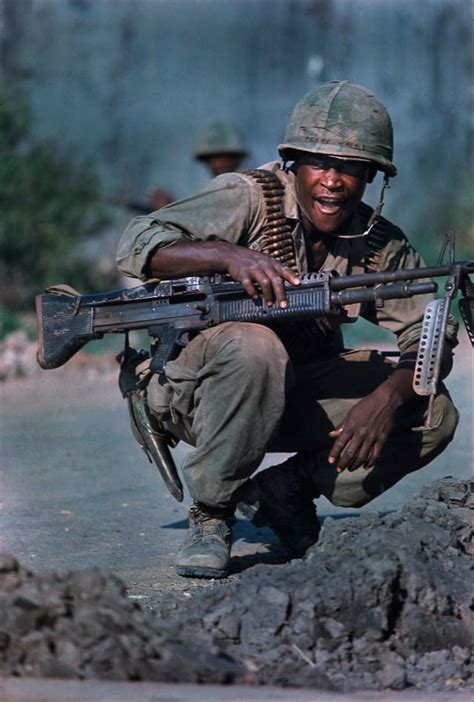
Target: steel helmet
(218,138)
(341,119)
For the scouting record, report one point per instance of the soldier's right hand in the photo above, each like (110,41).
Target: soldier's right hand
(260,274)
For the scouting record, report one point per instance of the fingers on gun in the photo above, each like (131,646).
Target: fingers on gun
(268,280)
(273,288)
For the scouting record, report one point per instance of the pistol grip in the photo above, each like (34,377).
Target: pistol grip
(167,346)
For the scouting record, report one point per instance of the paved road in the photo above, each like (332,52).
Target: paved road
(77,491)
(24,690)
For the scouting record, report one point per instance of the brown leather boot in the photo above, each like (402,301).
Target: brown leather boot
(206,551)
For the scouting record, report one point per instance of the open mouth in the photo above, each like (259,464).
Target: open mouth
(329,205)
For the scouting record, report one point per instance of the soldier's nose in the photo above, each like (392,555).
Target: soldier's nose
(331,178)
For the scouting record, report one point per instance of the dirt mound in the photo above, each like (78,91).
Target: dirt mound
(82,625)
(379,603)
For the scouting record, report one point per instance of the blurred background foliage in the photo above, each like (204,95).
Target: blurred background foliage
(48,204)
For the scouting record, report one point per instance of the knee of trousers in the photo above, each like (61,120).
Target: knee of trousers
(348,490)
(251,346)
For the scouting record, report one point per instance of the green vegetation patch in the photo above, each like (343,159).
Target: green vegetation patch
(48,205)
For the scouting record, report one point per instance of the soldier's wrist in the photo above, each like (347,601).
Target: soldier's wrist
(399,387)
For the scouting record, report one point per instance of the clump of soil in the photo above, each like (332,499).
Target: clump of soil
(381,602)
(82,625)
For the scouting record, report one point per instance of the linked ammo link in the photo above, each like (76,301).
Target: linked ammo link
(380,234)
(275,238)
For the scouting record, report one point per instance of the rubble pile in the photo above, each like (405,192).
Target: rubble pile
(17,357)
(82,625)
(381,602)
(18,360)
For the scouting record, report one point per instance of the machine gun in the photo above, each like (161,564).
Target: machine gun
(172,309)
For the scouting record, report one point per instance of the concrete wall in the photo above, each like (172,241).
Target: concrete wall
(127,83)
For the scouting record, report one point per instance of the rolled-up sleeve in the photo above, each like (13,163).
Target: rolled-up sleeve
(228,209)
(139,240)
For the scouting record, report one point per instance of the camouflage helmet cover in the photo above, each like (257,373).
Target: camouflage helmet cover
(218,138)
(344,120)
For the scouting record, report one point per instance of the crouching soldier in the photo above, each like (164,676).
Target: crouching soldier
(237,391)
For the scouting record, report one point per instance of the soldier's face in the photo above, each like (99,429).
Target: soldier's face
(223,163)
(329,189)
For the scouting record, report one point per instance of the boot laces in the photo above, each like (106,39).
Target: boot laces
(206,521)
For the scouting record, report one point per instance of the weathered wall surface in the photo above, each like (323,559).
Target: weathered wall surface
(127,83)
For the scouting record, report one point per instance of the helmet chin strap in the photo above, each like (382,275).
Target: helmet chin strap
(378,210)
(373,217)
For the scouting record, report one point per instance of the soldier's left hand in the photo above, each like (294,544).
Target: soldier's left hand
(360,438)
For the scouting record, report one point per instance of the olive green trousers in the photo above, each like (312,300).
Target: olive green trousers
(234,395)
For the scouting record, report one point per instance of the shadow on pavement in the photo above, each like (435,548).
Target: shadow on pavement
(275,555)
(182,524)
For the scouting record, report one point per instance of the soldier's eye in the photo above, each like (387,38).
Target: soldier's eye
(354,169)
(320,165)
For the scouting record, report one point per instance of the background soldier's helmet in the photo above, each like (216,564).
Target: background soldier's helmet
(218,138)
(341,119)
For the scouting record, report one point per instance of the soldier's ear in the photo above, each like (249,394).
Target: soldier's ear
(293,167)
(289,161)
(371,174)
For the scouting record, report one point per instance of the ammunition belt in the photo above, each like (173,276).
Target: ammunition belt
(379,236)
(275,237)
(314,338)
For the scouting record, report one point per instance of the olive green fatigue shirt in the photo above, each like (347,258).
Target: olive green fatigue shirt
(232,208)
